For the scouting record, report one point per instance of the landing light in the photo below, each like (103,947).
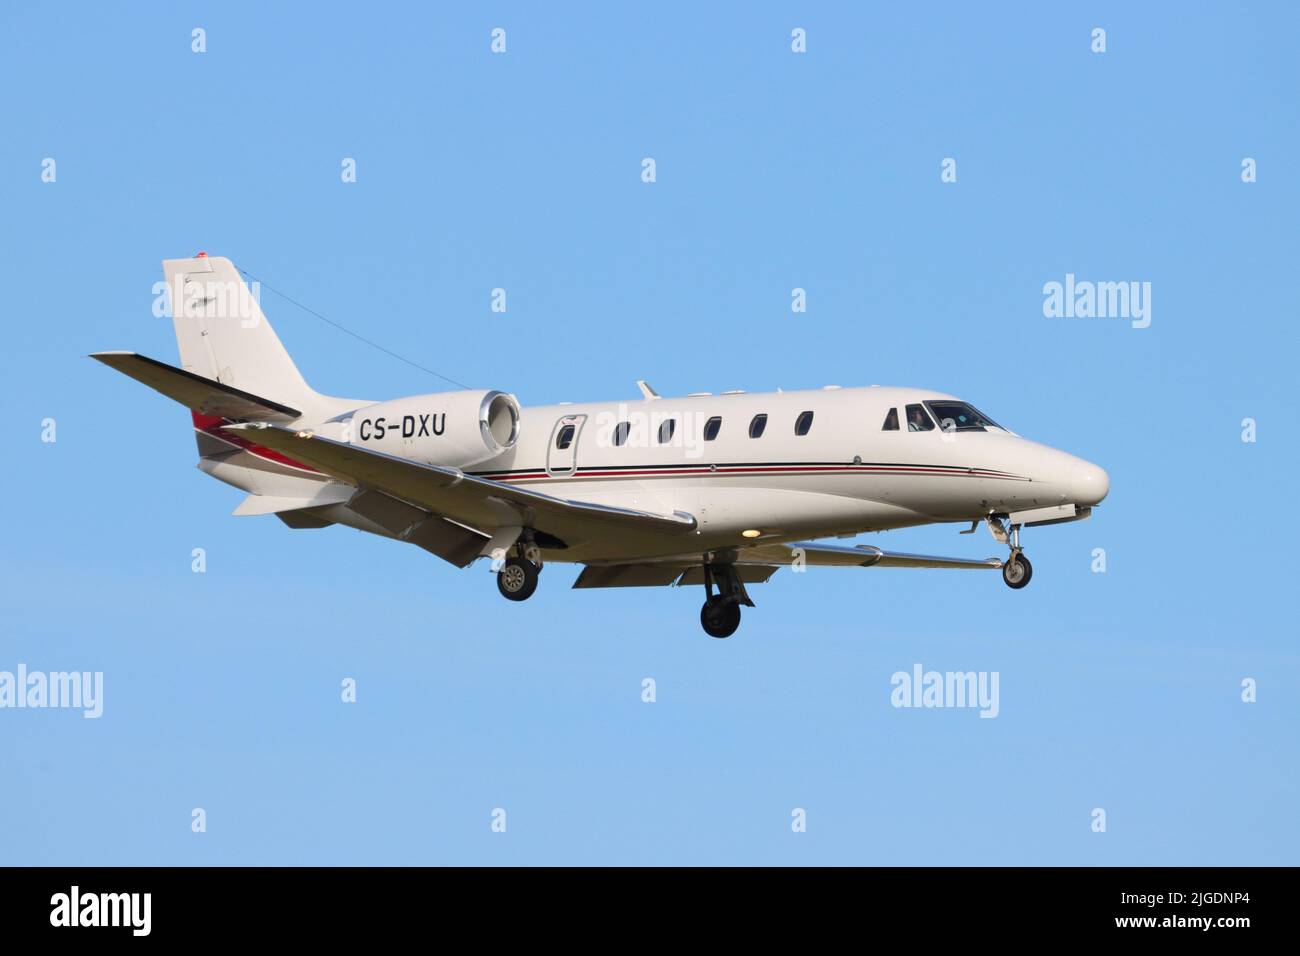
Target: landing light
(751,533)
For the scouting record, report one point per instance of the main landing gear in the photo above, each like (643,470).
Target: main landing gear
(1016,570)
(517,579)
(720,615)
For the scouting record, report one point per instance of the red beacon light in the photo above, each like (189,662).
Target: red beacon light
(200,255)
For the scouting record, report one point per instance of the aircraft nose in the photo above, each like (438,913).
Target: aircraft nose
(1088,484)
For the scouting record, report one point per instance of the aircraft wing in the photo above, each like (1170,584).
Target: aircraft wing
(756,564)
(861,556)
(196,392)
(477,502)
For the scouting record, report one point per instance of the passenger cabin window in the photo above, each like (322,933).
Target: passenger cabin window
(620,432)
(918,420)
(712,427)
(891,421)
(666,431)
(960,417)
(564,437)
(803,423)
(757,425)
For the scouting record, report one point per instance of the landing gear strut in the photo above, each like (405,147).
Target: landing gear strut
(720,615)
(517,579)
(1016,570)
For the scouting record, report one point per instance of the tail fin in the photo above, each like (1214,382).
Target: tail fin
(224,336)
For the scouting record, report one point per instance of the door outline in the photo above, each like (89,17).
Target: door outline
(563,462)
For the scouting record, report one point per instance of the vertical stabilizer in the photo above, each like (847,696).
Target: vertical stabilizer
(223,334)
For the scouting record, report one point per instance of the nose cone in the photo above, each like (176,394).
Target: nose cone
(1088,484)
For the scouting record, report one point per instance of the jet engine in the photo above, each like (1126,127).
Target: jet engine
(457,429)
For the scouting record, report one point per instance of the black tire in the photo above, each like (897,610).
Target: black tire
(1017,571)
(720,617)
(517,579)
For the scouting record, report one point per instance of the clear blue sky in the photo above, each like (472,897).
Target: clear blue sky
(1118,690)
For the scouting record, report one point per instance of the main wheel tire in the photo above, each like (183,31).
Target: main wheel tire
(720,617)
(1017,571)
(517,579)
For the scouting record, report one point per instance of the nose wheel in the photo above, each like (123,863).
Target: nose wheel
(1017,571)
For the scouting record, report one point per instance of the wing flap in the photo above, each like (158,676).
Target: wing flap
(628,575)
(300,520)
(747,573)
(449,541)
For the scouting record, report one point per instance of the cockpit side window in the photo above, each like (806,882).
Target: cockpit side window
(891,421)
(960,417)
(918,420)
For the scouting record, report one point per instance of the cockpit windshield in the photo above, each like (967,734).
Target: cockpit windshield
(960,417)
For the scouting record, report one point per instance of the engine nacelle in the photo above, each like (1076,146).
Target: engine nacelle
(458,429)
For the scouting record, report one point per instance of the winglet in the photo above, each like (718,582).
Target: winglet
(649,393)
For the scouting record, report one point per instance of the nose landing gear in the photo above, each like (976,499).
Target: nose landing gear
(1016,570)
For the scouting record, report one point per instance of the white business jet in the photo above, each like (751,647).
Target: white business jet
(713,490)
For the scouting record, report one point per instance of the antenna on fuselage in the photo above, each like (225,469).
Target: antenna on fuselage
(647,392)
(344,328)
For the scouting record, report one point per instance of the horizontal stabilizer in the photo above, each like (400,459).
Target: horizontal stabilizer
(329,494)
(195,392)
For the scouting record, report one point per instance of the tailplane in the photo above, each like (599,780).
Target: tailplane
(196,392)
(234,369)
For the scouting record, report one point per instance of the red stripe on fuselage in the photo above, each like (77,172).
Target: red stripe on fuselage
(688,470)
(211,425)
